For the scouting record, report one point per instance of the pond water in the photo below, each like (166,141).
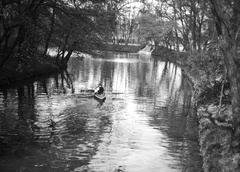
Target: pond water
(146,123)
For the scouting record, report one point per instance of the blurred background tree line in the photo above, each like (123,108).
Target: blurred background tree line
(206,31)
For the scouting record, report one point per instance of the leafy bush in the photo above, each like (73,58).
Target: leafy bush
(209,71)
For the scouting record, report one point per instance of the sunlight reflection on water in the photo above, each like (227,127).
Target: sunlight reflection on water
(145,124)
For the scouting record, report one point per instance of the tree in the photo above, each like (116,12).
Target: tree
(124,21)
(152,28)
(77,25)
(19,28)
(227,21)
(29,28)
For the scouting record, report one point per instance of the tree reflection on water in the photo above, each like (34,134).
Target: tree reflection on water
(146,122)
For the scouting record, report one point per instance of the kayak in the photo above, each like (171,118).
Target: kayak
(101,97)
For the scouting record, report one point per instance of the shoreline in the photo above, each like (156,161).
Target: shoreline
(14,77)
(219,151)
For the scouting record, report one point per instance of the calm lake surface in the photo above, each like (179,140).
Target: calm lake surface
(146,123)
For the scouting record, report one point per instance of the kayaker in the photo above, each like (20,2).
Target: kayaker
(99,89)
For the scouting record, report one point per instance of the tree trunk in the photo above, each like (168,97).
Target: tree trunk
(231,58)
(227,34)
(193,29)
(9,52)
(5,35)
(51,30)
(67,57)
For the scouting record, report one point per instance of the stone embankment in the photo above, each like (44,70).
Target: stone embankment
(219,149)
(220,152)
(216,139)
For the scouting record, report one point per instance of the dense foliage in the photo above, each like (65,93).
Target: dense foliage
(29,27)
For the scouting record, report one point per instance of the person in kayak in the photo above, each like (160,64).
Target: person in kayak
(99,89)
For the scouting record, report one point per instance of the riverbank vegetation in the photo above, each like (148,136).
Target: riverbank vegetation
(202,36)
(29,28)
